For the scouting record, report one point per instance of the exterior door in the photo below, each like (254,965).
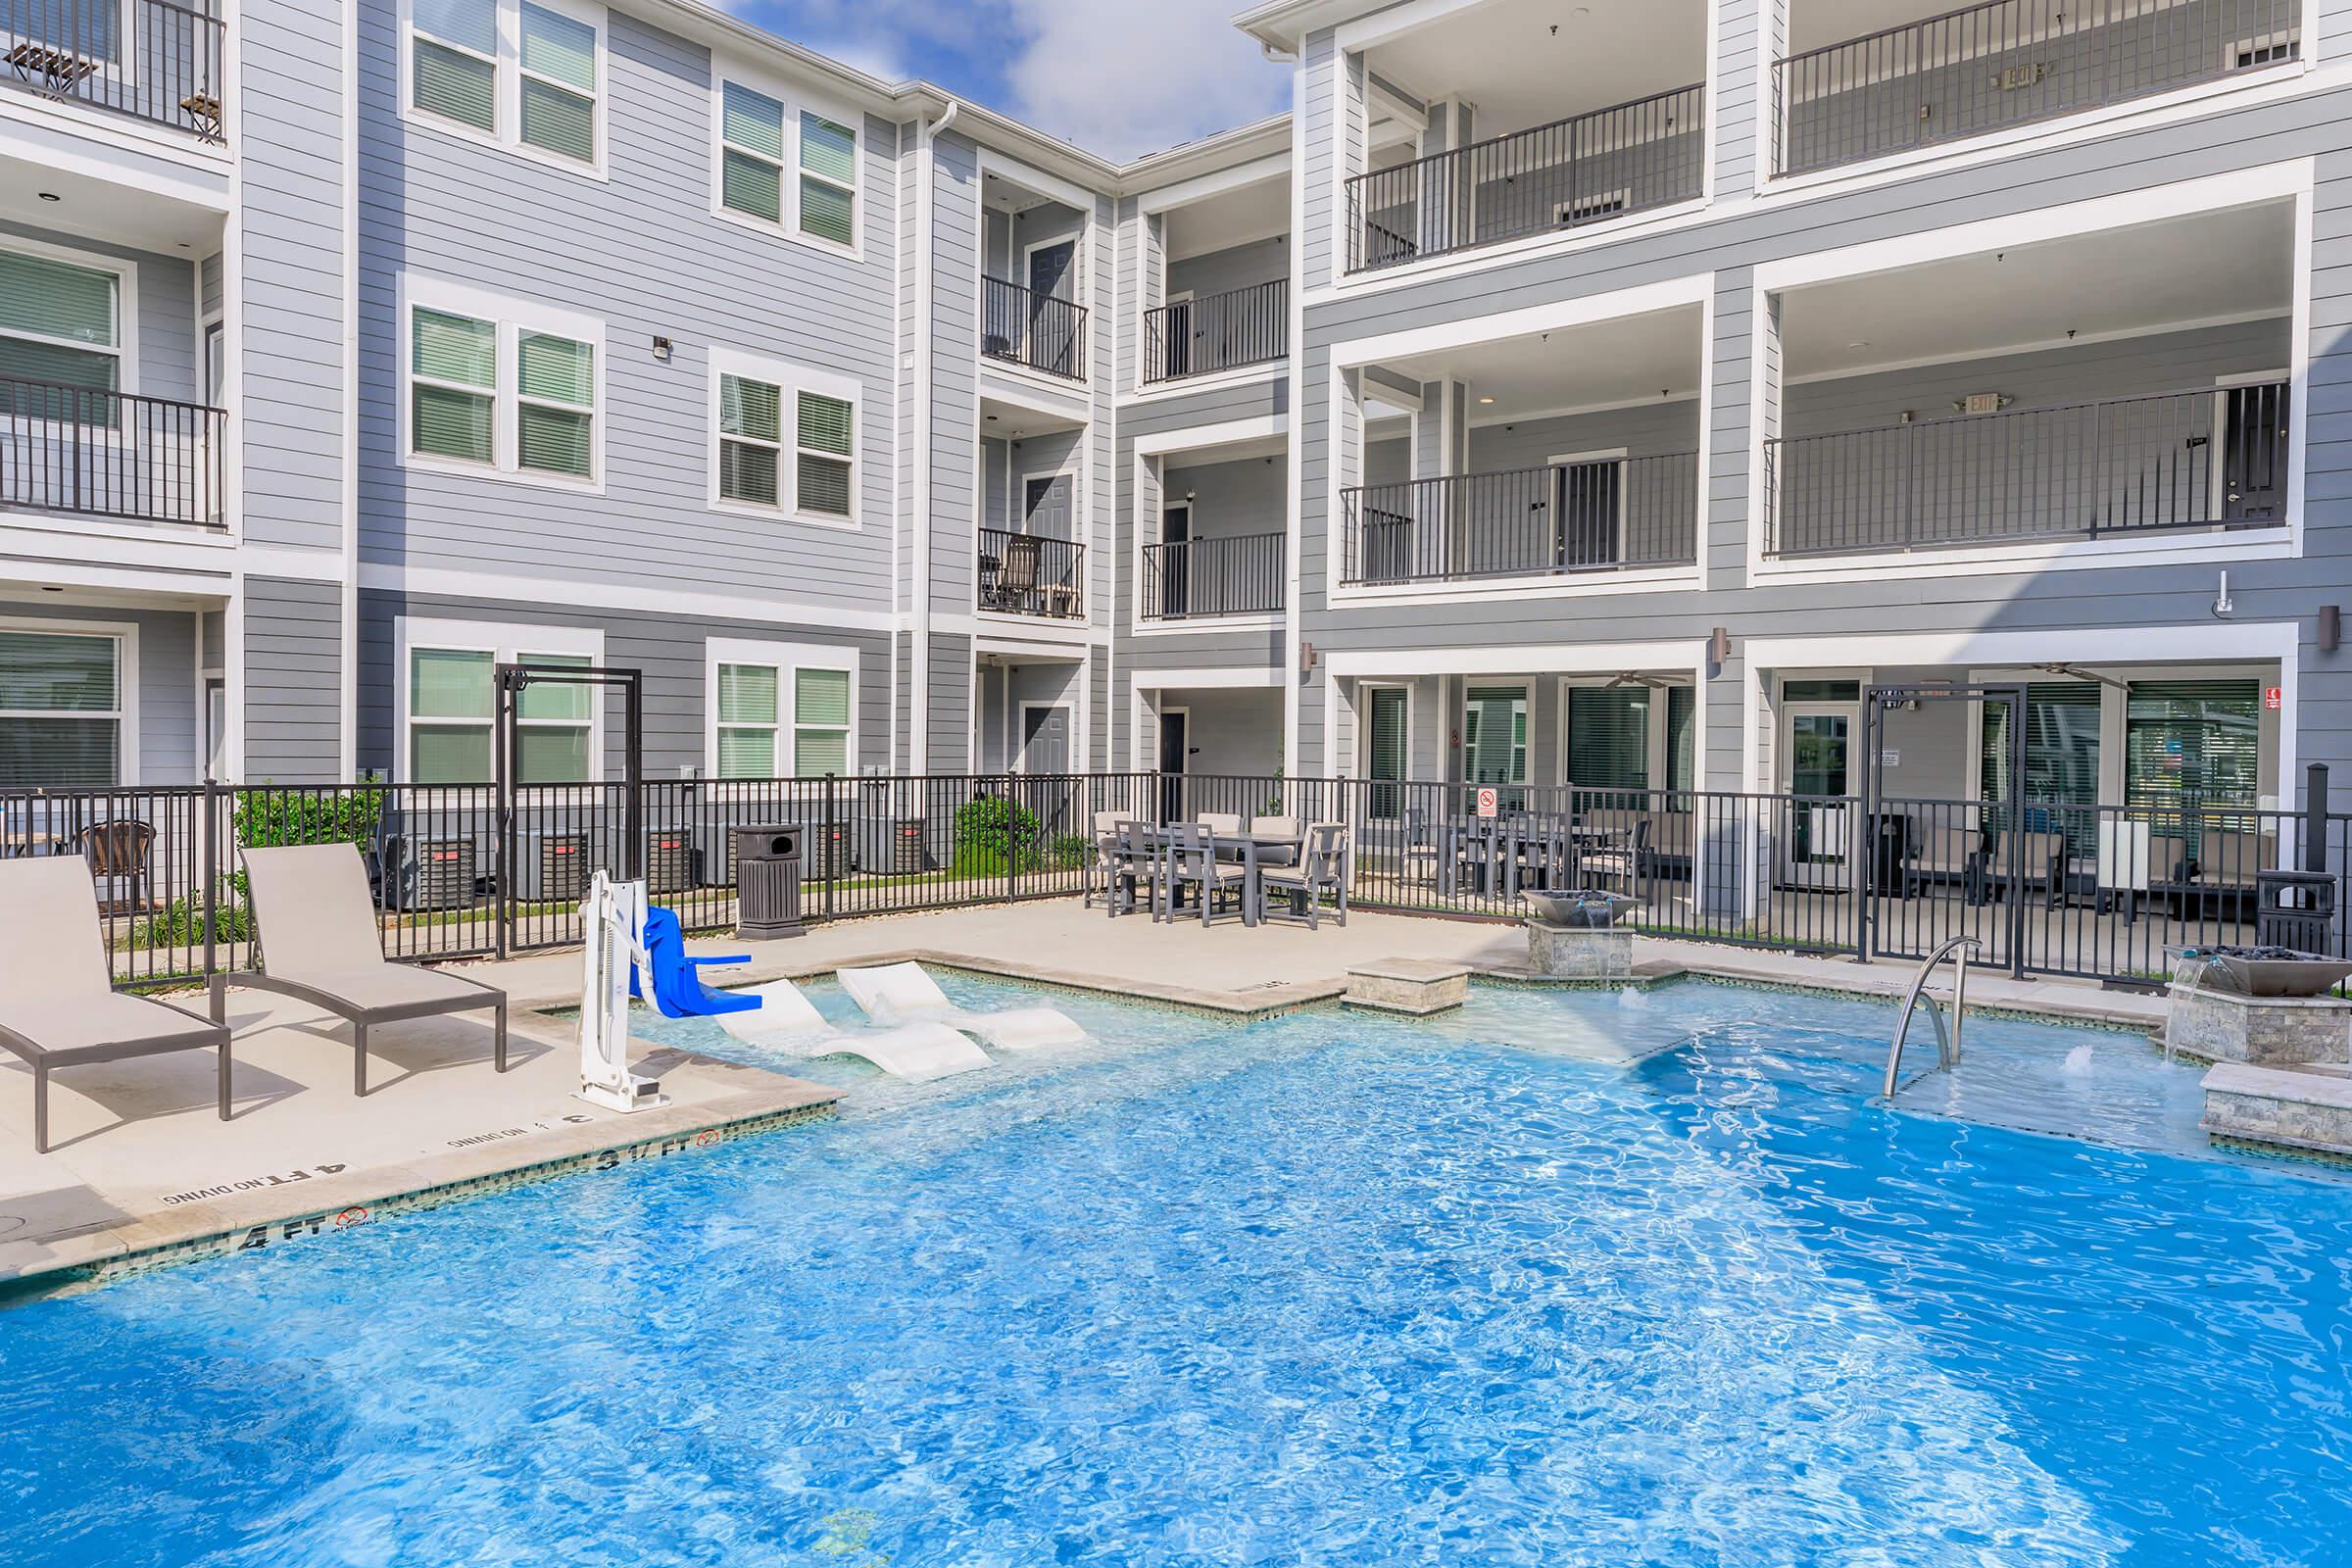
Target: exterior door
(1818,740)
(1588,497)
(2254,451)
(1044,740)
(1176,345)
(1052,317)
(1176,560)
(1175,755)
(1045,506)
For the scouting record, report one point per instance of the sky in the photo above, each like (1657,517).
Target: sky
(1118,77)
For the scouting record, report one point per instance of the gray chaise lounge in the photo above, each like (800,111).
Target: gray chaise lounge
(60,1007)
(321,944)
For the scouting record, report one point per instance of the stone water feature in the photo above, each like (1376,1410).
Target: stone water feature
(1575,935)
(2279,1040)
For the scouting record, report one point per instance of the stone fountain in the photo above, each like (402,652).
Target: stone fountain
(1575,935)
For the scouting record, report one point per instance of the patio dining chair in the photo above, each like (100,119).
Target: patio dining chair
(1276,827)
(1192,862)
(119,850)
(1101,861)
(1297,892)
(1016,576)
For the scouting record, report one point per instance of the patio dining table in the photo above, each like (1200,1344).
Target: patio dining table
(1495,853)
(1252,850)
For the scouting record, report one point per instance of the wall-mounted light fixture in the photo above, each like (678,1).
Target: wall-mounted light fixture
(662,350)
(1308,658)
(1719,644)
(2331,629)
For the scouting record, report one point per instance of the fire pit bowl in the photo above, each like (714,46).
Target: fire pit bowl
(2269,971)
(1585,909)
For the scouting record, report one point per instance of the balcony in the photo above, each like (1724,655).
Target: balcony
(1588,168)
(111,455)
(149,60)
(1019,326)
(1986,68)
(1560,519)
(1226,331)
(2108,469)
(1030,574)
(1202,579)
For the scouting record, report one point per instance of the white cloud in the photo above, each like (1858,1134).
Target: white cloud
(1122,78)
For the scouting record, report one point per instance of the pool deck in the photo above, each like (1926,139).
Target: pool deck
(143,1172)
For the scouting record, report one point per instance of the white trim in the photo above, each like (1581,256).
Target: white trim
(1183,386)
(1206,437)
(512,318)
(504,640)
(1295,364)
(1542,246)
(792,102)
(1676,293)
(1522,658)
(787,659)
(1233,677)
(126,711)
(2122,334)
(790,380)
(1217,182)
(506,86)
(583,594)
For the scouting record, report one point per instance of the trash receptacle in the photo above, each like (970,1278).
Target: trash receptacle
(768,882)
(2295,909)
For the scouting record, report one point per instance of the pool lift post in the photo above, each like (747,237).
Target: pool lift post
(612,920)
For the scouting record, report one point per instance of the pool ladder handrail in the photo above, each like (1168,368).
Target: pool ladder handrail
(1947,1040)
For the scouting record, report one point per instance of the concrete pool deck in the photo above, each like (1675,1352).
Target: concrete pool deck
(143,1172)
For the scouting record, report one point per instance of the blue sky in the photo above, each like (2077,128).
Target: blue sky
(1118,77)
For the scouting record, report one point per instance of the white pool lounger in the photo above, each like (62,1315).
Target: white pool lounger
(786,1021)
(901,991)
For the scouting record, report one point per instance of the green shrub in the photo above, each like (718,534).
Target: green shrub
(993,835)
(180,925)
(266,817)
(1068,852)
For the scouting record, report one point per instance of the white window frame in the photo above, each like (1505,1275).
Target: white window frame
(506,87)
(513,319)
(787,659)
(126,349)
(789,171)
(1527,703)
(504,642)
(790,380)
(126,711)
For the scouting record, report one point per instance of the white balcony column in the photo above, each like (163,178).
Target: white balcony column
(1745,141)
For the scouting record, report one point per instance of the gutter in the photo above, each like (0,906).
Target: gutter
(919,733)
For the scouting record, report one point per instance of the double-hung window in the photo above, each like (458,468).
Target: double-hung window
(61,710)
(781,710)
(506,385)
(450,715)
(1495,735)
(784,439)
(794,168)
(61,339)
(527,74)
(1608,737)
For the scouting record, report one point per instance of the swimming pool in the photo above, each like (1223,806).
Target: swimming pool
(1322,1290)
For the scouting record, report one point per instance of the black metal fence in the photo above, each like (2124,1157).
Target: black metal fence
(2097,891)
(1217,331)
(1032,574)
(1588,168)
(1985,68)
(110,453)
(1022,327)
(1193,579)
(153,59)
(2202,459)
(1598,516)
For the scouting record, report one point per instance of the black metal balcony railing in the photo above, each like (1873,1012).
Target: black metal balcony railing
(1593,166)
(2120,466)
(155,60)
(110,453)
(1607,514)
(1194,579)
(1217,331)
(2010,63)
(1030,574)
(1022,327)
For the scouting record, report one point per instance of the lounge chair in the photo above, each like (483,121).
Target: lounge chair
(786,1021)
(901,993)
(60,1007)
(319,943)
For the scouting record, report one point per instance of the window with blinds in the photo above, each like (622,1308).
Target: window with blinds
(61,710)
(2191,743)
(751,440)
(453,62)
(1495,735)
(1384,748)
(555,383)
(1681,737)
(820,722)
(751,156)
(1608,737)
(824,451)
(60,339)
(559,82)
(749,703)
(829,181)
(552,725)
(2062,745)
(453,364)
(450,715)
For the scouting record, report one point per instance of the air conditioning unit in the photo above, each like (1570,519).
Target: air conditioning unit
(430,872)
(551,866)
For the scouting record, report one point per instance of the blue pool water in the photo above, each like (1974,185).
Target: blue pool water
(1316,1290)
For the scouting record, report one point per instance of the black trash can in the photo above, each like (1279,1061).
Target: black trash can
(768,882)
(2295,909)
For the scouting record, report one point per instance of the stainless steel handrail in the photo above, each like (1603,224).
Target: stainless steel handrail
(1947,1040)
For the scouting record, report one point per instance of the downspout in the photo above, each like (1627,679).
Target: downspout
(918,718)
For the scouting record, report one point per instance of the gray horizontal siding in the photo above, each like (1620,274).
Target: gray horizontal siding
(293,681)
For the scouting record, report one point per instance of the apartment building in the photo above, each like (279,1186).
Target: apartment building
(1605,393)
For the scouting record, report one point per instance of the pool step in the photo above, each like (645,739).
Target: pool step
(2285,1108)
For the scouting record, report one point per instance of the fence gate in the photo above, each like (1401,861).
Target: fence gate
(1928,867)
(551,836)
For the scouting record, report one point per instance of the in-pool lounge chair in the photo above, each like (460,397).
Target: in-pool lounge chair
(901,993)
(786,1021)
(59,1007)
(319,943)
